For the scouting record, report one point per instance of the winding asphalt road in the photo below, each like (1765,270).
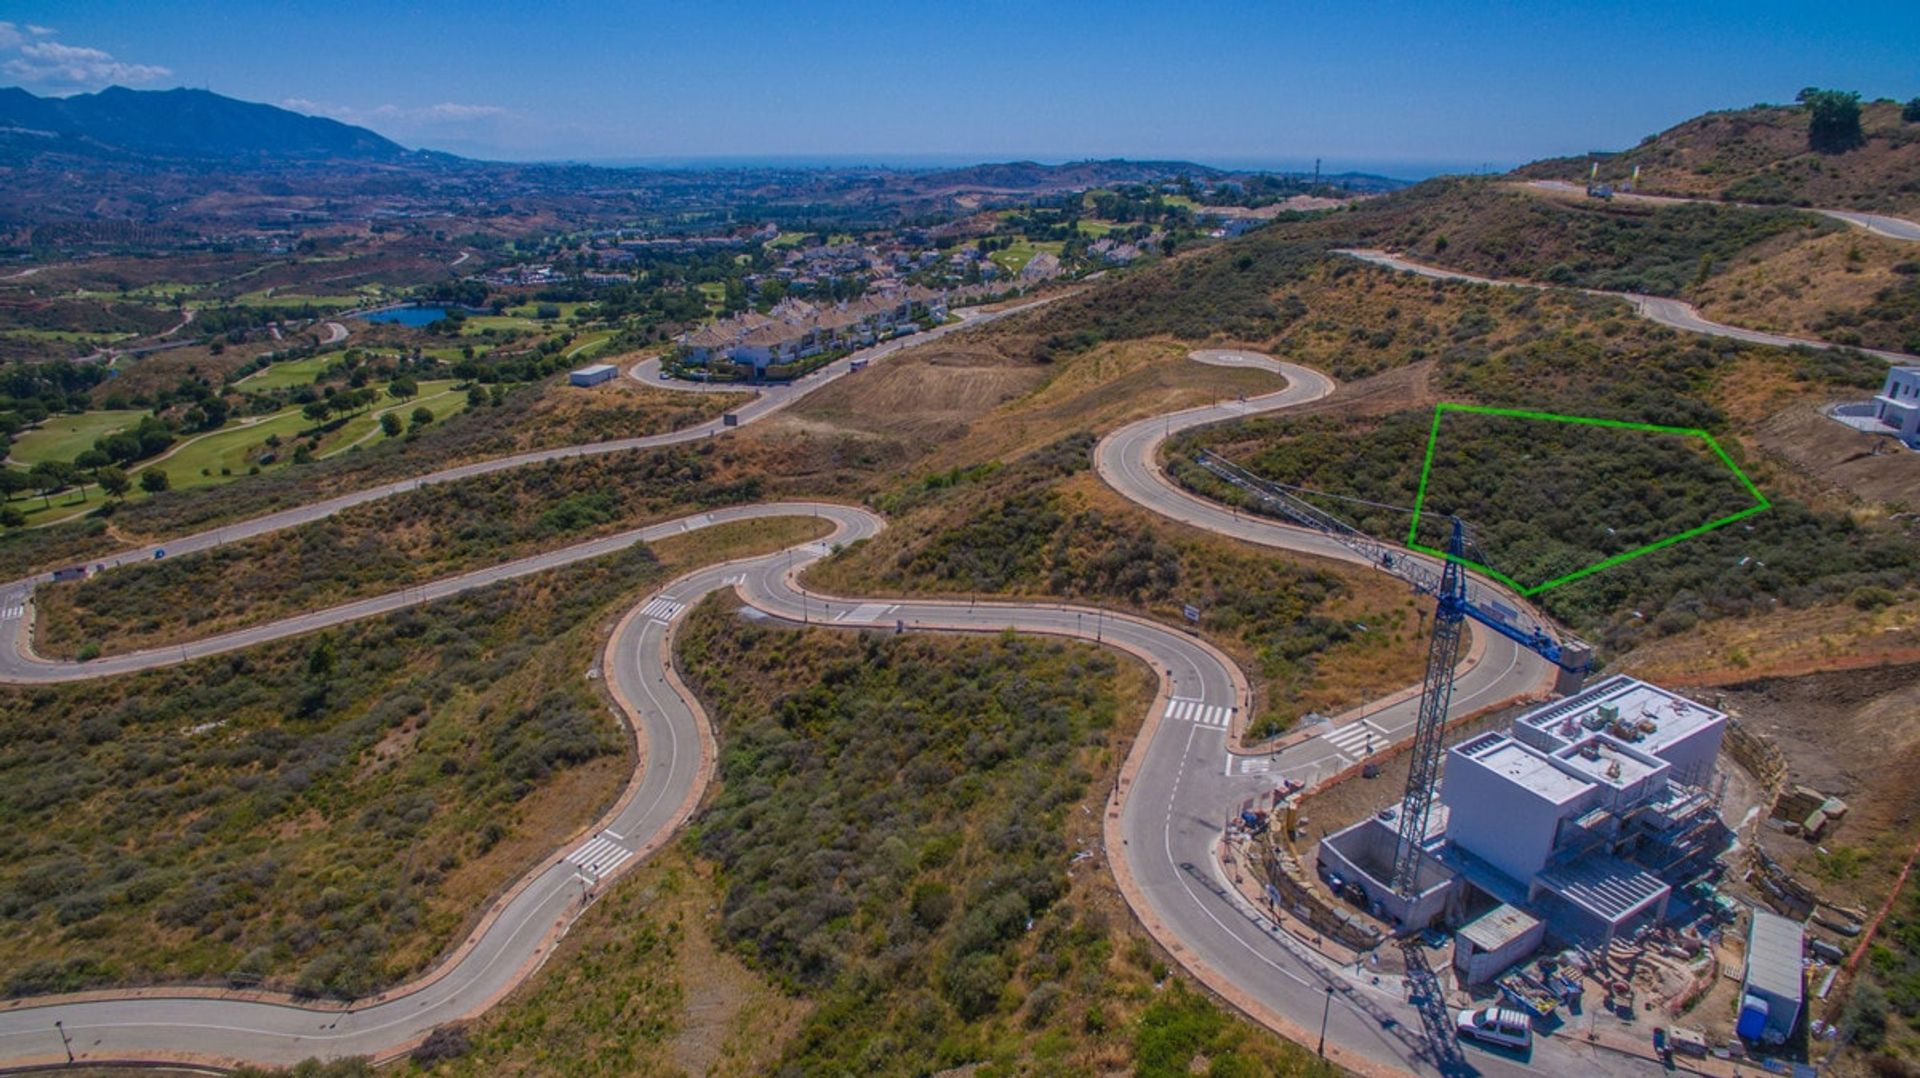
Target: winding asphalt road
(1180,782)
(1880,224)
(16,596)
(1677,314)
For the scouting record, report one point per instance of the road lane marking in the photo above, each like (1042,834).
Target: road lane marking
(866,612)
(600,856)
(1355,738)
(663,610)
(1200,713)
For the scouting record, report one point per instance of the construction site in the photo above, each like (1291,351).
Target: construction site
(1586,866)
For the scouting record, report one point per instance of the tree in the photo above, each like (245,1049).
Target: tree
(92,460)
(153,481)
(390,423)
(11,517)
(403,389)
(1834,120)
(321,659)
(422,416)
(1911,113)
(13,481)
(318,411)
(114,481)
(122,447)
(49,476)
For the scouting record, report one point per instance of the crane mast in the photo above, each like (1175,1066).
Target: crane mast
(1436,695)
(1448,583)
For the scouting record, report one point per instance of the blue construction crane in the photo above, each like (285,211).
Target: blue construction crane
(1453,606)
(1451,609)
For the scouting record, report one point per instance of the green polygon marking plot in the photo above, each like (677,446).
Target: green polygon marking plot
(1760,502)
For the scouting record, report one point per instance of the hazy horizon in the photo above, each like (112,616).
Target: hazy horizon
(1405,90)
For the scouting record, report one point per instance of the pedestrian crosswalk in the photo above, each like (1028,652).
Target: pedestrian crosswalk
(663,610)
(1252,765)
(600,856)
(735,579)
(15,611)
(1200,713)
(866,612)
(1356,739)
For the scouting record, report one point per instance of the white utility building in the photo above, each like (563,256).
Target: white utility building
(1898,404)
(1584,815)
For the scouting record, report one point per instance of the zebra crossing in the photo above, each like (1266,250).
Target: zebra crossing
(1252,765)
(663,610)
(734,580)
(17,610)
(1354,739)
(866,612)
(600,856)
(1200,713)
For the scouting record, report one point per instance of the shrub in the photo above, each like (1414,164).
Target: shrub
(445,1042)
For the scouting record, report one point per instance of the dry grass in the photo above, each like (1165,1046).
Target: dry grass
(975,402)
(1705,156)
(927,395)
(1108,387)
(1790,284)
(1388,656)
(623,408)
(639,986)
(1784,642)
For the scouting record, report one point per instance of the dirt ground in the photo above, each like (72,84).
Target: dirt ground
(1855,735)
(1840,460)
(1396,390)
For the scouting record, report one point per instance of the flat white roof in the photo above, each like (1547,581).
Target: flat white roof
(1497,927)
(1611,765)
(595,369)
(1773,955)
(1526,768)
(1657,718)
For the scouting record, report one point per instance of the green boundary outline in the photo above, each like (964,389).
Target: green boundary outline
(1761,504)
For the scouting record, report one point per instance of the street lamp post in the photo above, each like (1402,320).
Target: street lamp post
(1324,1012)
(65,1041)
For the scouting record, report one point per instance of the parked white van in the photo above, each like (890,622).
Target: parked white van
(1496,1025)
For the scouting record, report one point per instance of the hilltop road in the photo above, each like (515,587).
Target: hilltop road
(1677,314)
(1880,224)
(1180,782)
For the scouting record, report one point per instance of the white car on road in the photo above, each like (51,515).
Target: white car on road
(1496,1025)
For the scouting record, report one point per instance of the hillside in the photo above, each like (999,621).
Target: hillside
(1760,154)
(196,125)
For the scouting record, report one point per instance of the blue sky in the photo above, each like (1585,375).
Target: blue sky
(1407,87)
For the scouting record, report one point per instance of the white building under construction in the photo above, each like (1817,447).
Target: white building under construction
(1585,814)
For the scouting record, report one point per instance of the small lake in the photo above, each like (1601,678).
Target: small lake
(407,316)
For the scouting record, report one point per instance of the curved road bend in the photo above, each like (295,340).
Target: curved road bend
(1880,224)
(15,595)
(1673,313)
(516,935)
(1184,780)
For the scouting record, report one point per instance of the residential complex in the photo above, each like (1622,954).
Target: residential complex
(1586,815)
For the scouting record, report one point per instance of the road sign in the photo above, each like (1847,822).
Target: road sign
(1192,612)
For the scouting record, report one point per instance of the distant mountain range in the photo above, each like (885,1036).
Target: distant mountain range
(200,127)
(176,125)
